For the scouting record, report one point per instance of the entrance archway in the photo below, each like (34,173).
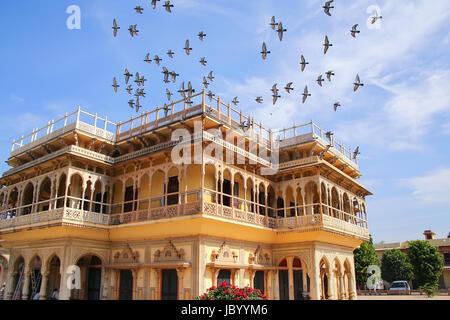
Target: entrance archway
(91,274)
(283,280)
(54,278)
(16,288)
(169,284)
(126,285)
(35,278)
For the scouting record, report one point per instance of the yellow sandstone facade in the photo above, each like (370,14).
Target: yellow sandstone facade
(174,201)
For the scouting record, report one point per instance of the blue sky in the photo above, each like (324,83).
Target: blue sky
(400,118)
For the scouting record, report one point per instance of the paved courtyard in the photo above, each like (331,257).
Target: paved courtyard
(405,297)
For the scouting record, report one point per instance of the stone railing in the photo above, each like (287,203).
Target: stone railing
(178,210)
(304,223)
(238,215)
(61,215)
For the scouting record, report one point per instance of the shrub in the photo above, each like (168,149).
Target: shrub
(230,292)
(429,289)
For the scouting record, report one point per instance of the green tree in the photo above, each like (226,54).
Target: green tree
(396,266)
(364,256)
(426,261)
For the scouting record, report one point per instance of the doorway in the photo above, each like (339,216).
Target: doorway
(126,285)
(169,285)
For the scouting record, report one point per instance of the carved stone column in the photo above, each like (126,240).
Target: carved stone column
(26,285)
(331,285)
(352,287)
(10,285)
(341,287)
(43,292)
(180,274)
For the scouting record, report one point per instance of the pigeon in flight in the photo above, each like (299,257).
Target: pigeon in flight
(329,134)
(139,9)
(127,76)
(356,153)
(166,75)
(190,91)
(329,74)
(169,94)
(131,103)
(326,45)
(289,87)
(306,94)
(205,82)
(235,101)
(203,61)
(166,110)
(167,5)
(115,85)
(327,7)
(336,105)
(274,89)
(320,80)
(264,51)
(357,83)
(154,4)
(303,63)
(244,125)
(157,60)
(187,48)
(201,35)
(275,98)
(115,28)
(182,91)
(322,153)
(375,16)
(138,80)
(133,30)
(354,31)
(259,99)
(141,93)
(129,89)
(210,76)
(138,106)
(210,95)
(273,23)
(280,31)
(147,58)
(143,80)
(174,76)
(170,53)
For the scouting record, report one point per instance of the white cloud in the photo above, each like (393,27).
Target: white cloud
(389,62)
(431,189)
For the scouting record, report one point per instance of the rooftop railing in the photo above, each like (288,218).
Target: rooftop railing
(174,112)
(78,119)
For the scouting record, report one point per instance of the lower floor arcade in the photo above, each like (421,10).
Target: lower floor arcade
(178,269)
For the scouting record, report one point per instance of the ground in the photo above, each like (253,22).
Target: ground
(403,297)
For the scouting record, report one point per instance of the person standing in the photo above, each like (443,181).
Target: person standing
(55,295)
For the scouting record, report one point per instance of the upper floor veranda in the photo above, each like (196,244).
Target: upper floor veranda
(113,143)
(157,192)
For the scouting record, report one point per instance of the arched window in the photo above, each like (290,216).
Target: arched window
(224,275)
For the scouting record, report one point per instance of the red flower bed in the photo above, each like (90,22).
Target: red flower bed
(230,292)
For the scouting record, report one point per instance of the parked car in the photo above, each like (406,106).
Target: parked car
(399,287)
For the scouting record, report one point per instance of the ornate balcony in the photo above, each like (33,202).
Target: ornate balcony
(60,216)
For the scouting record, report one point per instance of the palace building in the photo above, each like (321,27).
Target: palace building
(177,200)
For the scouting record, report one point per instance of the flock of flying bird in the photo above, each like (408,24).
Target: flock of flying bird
(278,27)
(140,80)
(187,93)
